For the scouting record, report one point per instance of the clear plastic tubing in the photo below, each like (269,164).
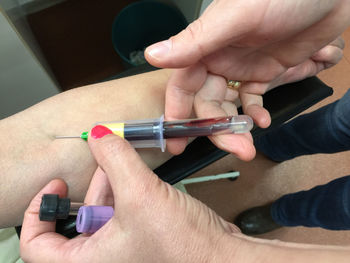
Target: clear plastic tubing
(153,132)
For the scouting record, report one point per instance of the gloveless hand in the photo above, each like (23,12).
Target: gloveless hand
(153,222)
(254,42)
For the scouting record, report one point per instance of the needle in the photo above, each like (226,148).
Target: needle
(83,136)
(67,137)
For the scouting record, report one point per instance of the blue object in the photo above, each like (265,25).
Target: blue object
(326,206)
(143,23)
(326,130)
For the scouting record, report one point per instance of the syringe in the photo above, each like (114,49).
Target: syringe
(152,133)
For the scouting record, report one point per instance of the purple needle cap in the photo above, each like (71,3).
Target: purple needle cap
(92,218)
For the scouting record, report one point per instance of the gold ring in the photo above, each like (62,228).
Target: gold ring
(233,84)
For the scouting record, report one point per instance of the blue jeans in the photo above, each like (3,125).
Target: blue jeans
(326,130)
(326,206)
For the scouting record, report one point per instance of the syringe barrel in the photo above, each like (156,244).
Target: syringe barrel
(207,127)
(153,132)
(140,133)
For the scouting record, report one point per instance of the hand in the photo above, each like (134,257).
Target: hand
(153,222)
(249,41)
(323,59)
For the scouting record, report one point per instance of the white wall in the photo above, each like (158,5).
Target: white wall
(23,81)
(16,11)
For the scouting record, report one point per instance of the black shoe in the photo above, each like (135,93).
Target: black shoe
(256,220)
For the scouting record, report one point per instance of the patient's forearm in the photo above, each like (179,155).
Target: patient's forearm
(30,156)
(247,249)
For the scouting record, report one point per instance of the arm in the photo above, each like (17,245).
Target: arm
(30,156)
(266,251)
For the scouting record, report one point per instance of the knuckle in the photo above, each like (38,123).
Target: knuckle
(195,28)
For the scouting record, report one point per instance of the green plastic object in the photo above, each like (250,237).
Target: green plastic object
(84,136)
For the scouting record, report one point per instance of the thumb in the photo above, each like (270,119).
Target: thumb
(181,50)
(38,238)
(128,175)
(199,39)
(218,27)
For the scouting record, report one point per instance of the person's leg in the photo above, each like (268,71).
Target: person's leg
(326,130)
(326,206)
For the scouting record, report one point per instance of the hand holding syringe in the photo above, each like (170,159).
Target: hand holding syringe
(140,134)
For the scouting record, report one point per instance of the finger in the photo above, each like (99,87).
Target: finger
(100,191)
(253,106)
(209,103)
(257,88)
(176,145)
(231,95)
(323,59)
(38,238)
(208,100)
(329,55)
(241,145)
(299,72)
(129,177)
(338,42)
(229,108)
(181,89)
(180,93)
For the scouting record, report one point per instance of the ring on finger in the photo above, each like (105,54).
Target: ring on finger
(234,84)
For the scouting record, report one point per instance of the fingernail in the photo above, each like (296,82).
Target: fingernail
(160,49)
(99,131)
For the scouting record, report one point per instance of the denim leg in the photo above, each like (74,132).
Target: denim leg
(326,206)
(326,130)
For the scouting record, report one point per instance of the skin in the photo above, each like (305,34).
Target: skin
(153,222)
(41,158)
(30,156)
(255,42)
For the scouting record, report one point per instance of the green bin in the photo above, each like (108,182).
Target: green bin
(143,23)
